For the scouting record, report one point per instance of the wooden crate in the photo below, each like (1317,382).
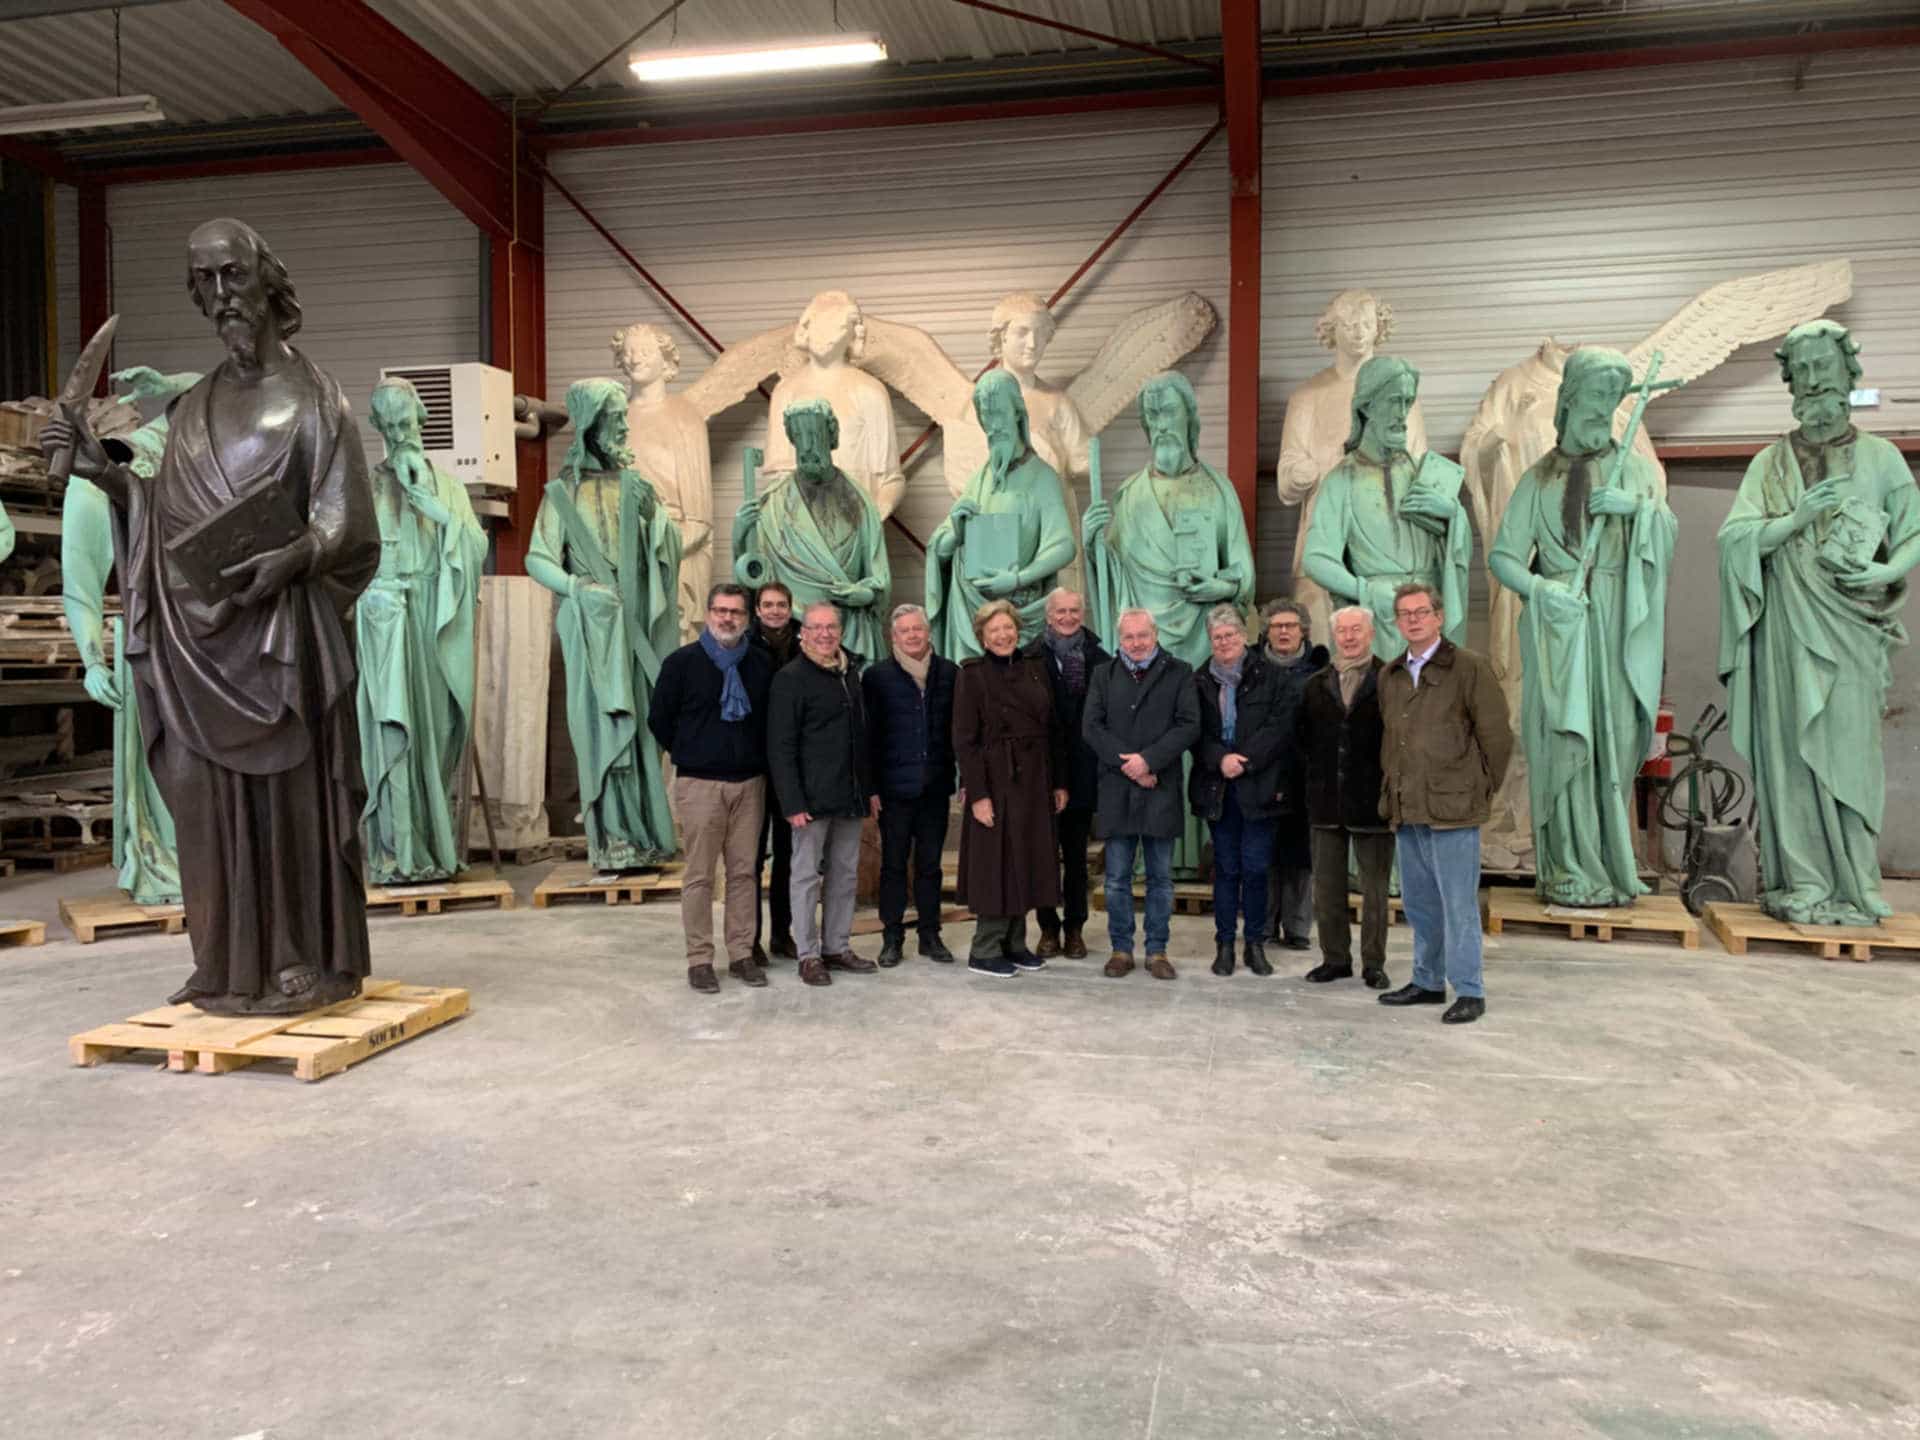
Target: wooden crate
(1648,917)
(22,932)
(1737,925)
(319,1043)
(578,880)
(111,915)
(469,890)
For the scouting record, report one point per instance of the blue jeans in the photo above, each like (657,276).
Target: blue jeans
(1121,850)
(1440,888)
(1242,849)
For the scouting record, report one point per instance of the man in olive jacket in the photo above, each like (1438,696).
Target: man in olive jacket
(1142,716)
(1443,752)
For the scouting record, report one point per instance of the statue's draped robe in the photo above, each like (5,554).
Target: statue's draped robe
(671,452)
(1132,565)
(1031,491)
(868,453)
(809,557)
(415,630)
(1592,685)
(1354,537)
(248,710)
(613,646)
(1806,664)
(1058,432)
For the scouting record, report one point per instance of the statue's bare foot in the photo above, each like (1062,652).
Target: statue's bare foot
(298,981)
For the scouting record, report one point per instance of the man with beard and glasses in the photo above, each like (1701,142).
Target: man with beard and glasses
(1592,640)
(245,679)
(1007,536)
(1814,559)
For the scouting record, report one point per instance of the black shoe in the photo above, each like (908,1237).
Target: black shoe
(1414,995)
(1464,1011)
(1376,979)
(932,947)
(1025,960)
(702,978)
(1223,957)
(783,948)
(759,955)
(1298,942)
(999,967)
(1049,945)
(747,972)
(1326,970)
(891,950)
(1257,959)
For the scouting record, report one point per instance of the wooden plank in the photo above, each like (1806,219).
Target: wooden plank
(1739,925)
(470,889)
(87,916)
(22,932)
(1396,912)
(1650,915)
(577,880)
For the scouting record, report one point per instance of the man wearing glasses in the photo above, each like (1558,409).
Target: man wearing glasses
(709,711)
(1443,753)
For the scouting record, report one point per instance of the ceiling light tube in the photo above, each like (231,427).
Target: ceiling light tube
(837,50)
(81,114)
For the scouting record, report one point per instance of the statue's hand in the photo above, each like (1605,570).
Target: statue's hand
(945,542)
(745,520)
(599,601)
(856,594)
(266,576)
(1612,500)
(1419,500)
(1561,604)
(100,686)
(138,381)
(999,584)
(649,501)
(963,510)
(1822,499)
(90,458)
(1869,577)
(1094,523)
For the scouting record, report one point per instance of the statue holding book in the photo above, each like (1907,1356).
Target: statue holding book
(414,624)
(243,555)
(1008,536)
(606,546)
(1383,516)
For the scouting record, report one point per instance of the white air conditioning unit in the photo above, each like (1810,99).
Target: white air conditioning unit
(469,427)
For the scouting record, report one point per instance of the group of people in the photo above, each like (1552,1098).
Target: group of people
(1312,769)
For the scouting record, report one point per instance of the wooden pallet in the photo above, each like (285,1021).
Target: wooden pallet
(318,1043)
(951,915)
(6,868)
(578,880)
(1190,897)
(22,932)
(566,847)
(111,915)
(61,859)
(1650,915)
(469,890)
(1396,912)
(1736,925)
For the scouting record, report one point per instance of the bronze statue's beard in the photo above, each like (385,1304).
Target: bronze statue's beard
(1587,437)
(836,499)
(1003,451)
(1822,410)
(1170,453)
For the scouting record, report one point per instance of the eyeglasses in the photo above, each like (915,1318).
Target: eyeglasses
(1283,624)
(1420,614)
(732,610)
(822,629)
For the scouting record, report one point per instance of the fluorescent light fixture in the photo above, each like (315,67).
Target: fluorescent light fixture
(765,59)
(81,114)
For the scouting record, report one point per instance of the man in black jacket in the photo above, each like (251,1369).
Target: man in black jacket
(1339,738)
(1295,658)
(709,711)
(775,633)
(910,740)
(817,753)
(1143,715)
(1072,653)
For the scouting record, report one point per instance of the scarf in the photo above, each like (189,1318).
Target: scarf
(1229,678)
(1351,674)
(835,666)
(917,669)
(1070,654)
(1137,669)
(1281,662)
(781,642)
(734,704)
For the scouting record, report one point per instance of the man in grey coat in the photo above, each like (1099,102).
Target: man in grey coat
(1142,716)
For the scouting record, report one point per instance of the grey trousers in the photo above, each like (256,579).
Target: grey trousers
(996,936)
(831,846)
(1373,850)
(1289,902)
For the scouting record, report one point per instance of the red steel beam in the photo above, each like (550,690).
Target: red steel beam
(96,269)
(42,158)
(1099,37)
(517,342)
(1240,43)
(241,165)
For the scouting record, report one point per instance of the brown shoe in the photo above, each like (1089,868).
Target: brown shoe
(748,972)
(1074,947)
(702,978)
(848,961)
(1049,945)
(814,972)
(1160,967)
(1120,964)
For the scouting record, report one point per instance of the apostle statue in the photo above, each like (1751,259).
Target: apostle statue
(414,624)
(603,543)
(1385,516)
(668,434)
(1313,438)
(818,533)
(828,343)
(1814,557)
(145,854)
(1007,538)
(1586,544)
(244,667)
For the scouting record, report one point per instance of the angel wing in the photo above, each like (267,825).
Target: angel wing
(912,362)
(1148,341)
(737,370)
(1718,321)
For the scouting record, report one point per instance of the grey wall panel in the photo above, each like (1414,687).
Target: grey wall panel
(66,278)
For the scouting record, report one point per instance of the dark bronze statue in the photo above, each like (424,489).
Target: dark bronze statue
(240,562)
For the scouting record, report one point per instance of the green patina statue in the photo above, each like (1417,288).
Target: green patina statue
(1007,537)
(819,534)
(1383,517)
(607,547)
(1586,543)
(144,853)
(414,629)
(1814,557)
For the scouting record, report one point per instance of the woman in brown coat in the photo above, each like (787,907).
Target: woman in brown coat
(1013,767)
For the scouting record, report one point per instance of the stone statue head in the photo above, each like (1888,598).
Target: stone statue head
(1023,327)
(398,412)
(815,432)
(1383,394)
(831,328)
(645,353)
(1002,412)
(1354,324)
(1820,362)
(240,284)
(1593,382)
(1170,414)
(598,412)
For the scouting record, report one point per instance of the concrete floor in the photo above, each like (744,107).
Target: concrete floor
(1652,1195)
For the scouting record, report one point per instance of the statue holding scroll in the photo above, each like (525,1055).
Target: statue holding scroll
(603,543)
(1814,558)
(1586,543)
(1007,537)
(668,434)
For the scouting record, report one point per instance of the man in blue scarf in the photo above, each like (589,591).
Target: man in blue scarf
(709,712)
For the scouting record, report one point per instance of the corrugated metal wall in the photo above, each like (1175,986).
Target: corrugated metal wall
(66,278)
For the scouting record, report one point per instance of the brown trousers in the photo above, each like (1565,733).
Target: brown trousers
(719,821)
